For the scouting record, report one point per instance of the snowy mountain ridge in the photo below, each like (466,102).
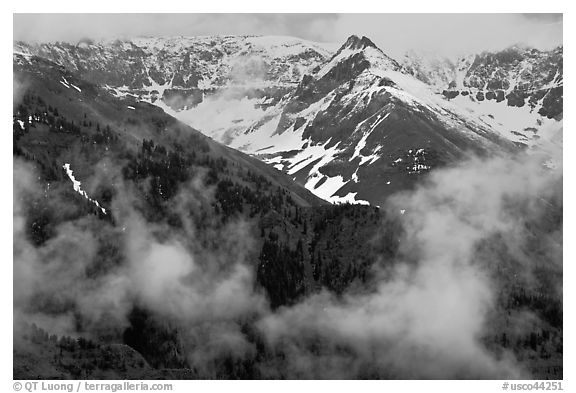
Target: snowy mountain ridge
(349,123)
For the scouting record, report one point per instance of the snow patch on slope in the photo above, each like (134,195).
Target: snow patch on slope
(77,187)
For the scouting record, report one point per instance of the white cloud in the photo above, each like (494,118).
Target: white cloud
(449,34)
(395,33)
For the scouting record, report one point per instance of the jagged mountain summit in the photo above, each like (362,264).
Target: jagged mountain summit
(185,67)
(349,123)
(519,75)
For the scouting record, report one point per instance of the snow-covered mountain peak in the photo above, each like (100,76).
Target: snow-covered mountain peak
(355,56)
(348,122)
(354,42)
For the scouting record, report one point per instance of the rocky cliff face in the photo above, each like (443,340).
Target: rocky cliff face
(349,123)
(180,70)
(517,76)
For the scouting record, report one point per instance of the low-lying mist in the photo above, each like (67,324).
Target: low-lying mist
(426,316)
